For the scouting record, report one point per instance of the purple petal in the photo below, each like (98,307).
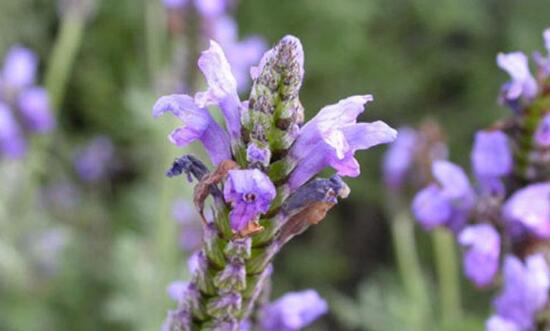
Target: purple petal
(293,311)
(174,4)
(258,155)
(453,180)
(19,67)
(497,323)
(12,141)
(431,208)
(211,8)
(530,206)
(250,193)
(542,135)
(176,289)
(546,36)
(398,160)
(222,87)
(522,83)
(199,125)
(366,135)
(482,258)
(491,154)
(34,104)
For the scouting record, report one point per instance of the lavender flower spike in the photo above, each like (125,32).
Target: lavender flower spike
(482,258)
(525,290)
(293,311)
(222,88)
(250,193)
(332,137)
(530,207)
(523,83)
(199,125)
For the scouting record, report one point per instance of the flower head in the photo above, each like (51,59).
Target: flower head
(482,258)
(250,193)
(399,157)
(525,290)
(530,207)
(523,83)
(332,137)
(293,311)
(35,107)
(491,159)
(19,68)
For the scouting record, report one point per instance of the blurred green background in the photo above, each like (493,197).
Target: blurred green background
(419,58)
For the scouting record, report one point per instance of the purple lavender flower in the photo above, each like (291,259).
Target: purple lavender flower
(34,104)
(497,323)
(211,8)
(12,142)
(176,289)
(250,193)
(542,135)
(447,203)
(258,155)
(331,139)
(293,311)
(191,231)
(491,159)
(530,207)
(482,258)
(544,61)
(523,83)
(174,4)
(525,290)
(199,125)
(399,157)
(19,68)
(94,161)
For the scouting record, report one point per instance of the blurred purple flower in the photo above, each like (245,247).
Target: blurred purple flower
(399,157)
(483,250)
(446,203)
(293,311)
(19,68)
(34,104)
(12,142)
(331,139)
(173,4)
(211,8)
(47,247)
(525,291)
(544,61)
(491,159)
(497,323)
(250,193)
(190,228)
(523,83)
(542,135)
(199,125)
(530,207)
(176,289)
(95,160)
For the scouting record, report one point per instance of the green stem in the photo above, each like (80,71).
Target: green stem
(448,276)
(63,56)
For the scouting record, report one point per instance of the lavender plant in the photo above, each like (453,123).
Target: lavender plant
(503,220)
(262,191)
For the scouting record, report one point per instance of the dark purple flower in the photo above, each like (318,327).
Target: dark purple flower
(293,311)
(34,104)
(530,207)
(525,290)
(19,68)
(491,159)
(250,193)
(222,88)
(95,160)
(12,141)
(483,250)
(542,135)
(446,203)
(398,160)
(331,139)
(523,83)
(199,125)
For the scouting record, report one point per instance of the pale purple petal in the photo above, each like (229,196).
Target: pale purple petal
(481,259)
(431,208)
(258,155)
(453,180)
(546,36)
(173,4)
(211,8)
(530,206)
(12,141)
(523,83)
(250,193)
(497,323)
(293,311)
(19,67)
(176,289)
(491,154)
(399,157)
(222,87)
(199,125)
(34,104)
(542,135)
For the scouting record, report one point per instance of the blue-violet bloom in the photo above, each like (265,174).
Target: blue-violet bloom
(481,259)
(523,84)
(530,207)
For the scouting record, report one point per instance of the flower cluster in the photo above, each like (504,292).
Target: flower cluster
(24,107)
(262,188)
(217,24)
(506,214)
